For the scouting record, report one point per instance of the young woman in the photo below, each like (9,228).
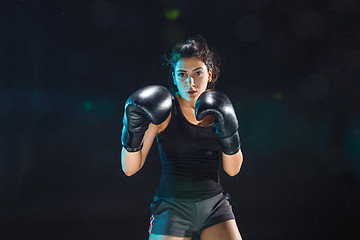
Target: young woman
(195,127)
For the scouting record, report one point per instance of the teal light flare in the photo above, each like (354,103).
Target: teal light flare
(88,105)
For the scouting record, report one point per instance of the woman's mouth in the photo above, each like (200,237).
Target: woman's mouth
(191,92)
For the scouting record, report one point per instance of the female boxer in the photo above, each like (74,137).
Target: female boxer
(195,127)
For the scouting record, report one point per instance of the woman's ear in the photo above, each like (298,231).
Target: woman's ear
(210,75)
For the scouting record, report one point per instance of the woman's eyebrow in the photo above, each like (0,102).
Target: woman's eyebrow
(197,68)
(180,70)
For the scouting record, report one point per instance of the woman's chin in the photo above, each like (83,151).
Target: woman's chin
(184,96)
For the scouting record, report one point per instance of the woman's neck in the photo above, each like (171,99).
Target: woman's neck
(185,103)
(188,110)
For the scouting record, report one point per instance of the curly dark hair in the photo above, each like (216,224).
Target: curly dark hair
(193,47)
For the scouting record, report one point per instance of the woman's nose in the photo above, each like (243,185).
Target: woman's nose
(190,80)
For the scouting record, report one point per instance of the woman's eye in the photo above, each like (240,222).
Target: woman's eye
(198,73)
(181,74)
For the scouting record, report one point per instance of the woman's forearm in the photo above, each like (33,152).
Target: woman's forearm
(232,163)
(131,162)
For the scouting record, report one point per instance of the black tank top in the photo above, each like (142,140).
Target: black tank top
(190,156)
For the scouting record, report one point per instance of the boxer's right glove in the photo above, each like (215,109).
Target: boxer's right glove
(148,104)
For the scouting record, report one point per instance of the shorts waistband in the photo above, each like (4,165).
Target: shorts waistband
(189,199)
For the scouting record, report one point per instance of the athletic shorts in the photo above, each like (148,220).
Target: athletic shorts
(183,217)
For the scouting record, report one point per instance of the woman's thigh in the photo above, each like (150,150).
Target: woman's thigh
(166,237)
(227,230)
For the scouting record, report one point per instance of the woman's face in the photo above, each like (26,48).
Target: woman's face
(191,77)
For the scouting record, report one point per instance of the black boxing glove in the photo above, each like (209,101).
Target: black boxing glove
(146,105)
(217,104)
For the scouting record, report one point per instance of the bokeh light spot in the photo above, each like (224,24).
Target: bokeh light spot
(172,13)
(88,105)
(278,96)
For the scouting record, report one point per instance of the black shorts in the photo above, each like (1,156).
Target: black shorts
(181,218)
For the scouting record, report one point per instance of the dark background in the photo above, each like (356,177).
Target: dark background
(291,69)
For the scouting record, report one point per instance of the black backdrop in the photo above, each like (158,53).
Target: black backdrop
(291,69)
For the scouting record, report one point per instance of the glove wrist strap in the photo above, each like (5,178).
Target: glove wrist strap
(132,141)
(230,145)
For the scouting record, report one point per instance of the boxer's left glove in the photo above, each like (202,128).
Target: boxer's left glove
(217,104)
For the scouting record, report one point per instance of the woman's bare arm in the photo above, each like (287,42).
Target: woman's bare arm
(232,163)
(132,162)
